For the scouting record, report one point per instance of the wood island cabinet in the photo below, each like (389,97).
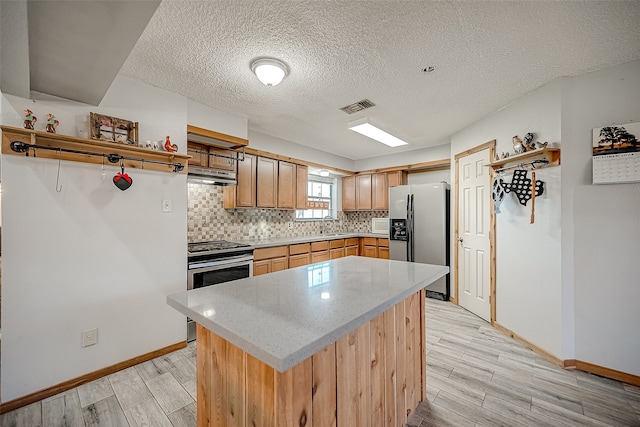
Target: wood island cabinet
(287,179)
(267,183)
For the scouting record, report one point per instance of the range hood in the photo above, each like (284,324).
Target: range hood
(211,176)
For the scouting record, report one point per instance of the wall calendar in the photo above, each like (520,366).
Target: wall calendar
(616,154)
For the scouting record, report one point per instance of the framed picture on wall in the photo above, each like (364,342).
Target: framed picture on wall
(113,129)
(616,154)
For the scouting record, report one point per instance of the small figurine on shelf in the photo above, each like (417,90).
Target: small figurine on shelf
(542,144)
(148,144)
(52,122)
(504,155)
(169,146)
(518,146)
(529,144)
(29,119)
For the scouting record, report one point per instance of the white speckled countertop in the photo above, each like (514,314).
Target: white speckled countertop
(276,241)
(285,317)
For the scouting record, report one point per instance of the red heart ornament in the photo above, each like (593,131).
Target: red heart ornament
(122,181)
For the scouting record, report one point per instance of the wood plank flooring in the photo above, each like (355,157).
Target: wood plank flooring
(476,376)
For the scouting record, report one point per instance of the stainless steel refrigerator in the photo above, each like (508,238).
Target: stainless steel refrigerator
(419,228)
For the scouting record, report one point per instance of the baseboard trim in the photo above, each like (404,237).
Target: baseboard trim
(550,357)
(68,385)
(604,372)
(573,363)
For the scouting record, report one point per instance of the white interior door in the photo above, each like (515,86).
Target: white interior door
(473,239)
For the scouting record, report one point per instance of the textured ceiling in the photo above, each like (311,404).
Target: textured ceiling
(486,54)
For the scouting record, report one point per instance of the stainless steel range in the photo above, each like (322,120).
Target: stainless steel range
(212,263)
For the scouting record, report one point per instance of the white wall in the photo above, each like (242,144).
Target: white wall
(264,142)
(439,152)
(601,226)
(91,256)
(528,256)
(208,118)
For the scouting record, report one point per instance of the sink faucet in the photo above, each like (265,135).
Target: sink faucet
(322,227)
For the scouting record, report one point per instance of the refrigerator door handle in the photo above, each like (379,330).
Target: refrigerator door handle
(411,233)
(408,226)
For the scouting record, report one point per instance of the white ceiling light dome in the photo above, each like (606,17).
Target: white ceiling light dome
(269,71)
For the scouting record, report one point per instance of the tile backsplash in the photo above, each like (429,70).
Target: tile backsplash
(208,220)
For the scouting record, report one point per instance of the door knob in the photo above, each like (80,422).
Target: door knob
(460,239)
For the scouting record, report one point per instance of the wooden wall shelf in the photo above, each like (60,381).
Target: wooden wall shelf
(551,154)
(100,148)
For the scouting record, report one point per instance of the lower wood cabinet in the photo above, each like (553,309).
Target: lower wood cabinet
(299,255)
(269,260)
(375,248)
(320,256)
(351,246)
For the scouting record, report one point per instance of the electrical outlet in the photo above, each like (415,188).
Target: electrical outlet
(89,337)
(167,205)
(290,225)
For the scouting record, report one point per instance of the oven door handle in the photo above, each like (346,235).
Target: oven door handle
(221,262)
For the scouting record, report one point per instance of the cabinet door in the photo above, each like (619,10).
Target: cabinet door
(351,250)
(197,159)
(383,252)
(302,174)
(319,256)
(286,185)
(396,178)
(278,264)
(370,251)
(349,193)
(267,183)
(298,260)
(246,188)
(379,192)
(336,253)
(223,163)
(261,267)
(363,192)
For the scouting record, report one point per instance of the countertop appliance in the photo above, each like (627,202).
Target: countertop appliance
(380,226)
(419,228)
(215,262)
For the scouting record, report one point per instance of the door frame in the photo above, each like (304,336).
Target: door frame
(491,145)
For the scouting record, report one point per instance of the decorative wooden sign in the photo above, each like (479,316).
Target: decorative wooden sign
(106,128)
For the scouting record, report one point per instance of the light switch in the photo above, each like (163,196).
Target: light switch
(167,205)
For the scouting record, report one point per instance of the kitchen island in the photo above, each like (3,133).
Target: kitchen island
(338,342)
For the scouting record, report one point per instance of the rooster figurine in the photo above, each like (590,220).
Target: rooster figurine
(169,146)
(518,146)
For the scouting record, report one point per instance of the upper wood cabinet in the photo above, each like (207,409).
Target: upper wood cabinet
(302,173)
(243,195)
(396,178)
(196,151)
(220,162)
(379,191)
(267,183)
(363,192)
(287,180)
(349,193)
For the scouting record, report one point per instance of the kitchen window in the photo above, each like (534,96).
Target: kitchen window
(323,190)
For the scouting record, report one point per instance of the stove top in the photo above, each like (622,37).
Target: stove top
(216,246)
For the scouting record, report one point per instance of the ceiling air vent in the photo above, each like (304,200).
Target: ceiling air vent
(358,106)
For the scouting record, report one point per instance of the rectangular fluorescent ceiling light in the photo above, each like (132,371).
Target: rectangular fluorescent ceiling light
(367,129)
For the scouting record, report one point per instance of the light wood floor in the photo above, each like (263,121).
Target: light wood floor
(476,377)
